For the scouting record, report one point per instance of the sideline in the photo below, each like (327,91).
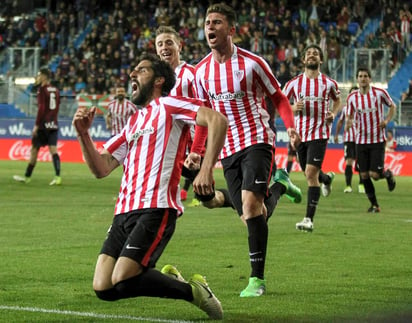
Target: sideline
(88,314)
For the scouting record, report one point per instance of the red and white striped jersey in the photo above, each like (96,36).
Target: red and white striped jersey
(120,112)
(310,123)
(185,75)
(350,134)
(368,112)
(151,148)
(236,88)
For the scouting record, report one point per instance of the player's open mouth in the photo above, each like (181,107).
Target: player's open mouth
(212,36)
(166,54)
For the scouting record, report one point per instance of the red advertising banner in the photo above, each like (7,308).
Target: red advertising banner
(69,150)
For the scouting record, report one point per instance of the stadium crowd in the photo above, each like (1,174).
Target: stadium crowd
(122,30)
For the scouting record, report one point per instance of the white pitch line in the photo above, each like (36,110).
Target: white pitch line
(87,314)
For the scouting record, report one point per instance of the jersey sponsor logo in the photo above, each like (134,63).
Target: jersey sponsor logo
(311,98)
(226,96)
(141,132)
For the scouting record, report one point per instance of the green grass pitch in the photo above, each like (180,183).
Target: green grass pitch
(354,267)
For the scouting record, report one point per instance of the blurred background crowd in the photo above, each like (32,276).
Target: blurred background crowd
(91,45)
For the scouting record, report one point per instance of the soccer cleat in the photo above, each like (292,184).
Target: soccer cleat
(183,195)
(195,202)
(21,179)
(204,298)
(361,189)
(172,272)
(57,180)
(305,225)
(327,188)
(374,209)
(293,192)
(255,288)
(347,189)
(390,179)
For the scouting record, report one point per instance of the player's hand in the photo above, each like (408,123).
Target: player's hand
(83,119)
(294,138)
(192,161)
(203,183)
(299,105)
(336,139)
(330,116)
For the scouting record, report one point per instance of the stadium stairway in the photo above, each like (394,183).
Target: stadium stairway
(399,83)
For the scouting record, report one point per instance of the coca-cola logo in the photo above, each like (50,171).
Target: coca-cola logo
(21,151)
(392,161)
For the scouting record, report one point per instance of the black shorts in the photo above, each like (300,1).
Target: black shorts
(371,157)
(349,150)
(45,138)
(249,169)
(141,235)
(312,153)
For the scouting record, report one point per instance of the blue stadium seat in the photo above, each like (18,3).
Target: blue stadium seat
(353,28)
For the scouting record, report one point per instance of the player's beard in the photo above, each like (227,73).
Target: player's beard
(145,93)
(312,66)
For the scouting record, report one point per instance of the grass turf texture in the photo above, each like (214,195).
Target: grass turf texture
(354,267)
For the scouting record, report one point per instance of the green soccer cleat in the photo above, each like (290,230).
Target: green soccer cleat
(204,298)
(57,180)
(256,287)
(22,179)
(195,202)
(293,192)
(172,272)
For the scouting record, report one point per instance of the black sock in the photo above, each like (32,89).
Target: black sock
(313,200)
(56,164)
(109,295)
(370,191)
(289,166)
(186,184)
(276,191)
(348,175)
(258,239)
(153,283)
(29,170)
(324,178)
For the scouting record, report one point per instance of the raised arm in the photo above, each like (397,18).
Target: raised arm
(100,164)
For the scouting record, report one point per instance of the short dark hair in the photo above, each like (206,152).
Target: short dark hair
(353,88)
(161,69)
(45,71)
(167,30)
(313,46)
(225,10)
(363,69)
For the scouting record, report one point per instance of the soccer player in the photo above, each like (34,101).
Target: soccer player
(151,149)
(349,151)
(311,92)
(168,47)
(46,127)
(119,110)
(366,108)
(235,81)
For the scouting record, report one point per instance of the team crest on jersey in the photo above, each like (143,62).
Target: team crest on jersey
(239,75)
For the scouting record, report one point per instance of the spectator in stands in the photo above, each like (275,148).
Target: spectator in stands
(406,30)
